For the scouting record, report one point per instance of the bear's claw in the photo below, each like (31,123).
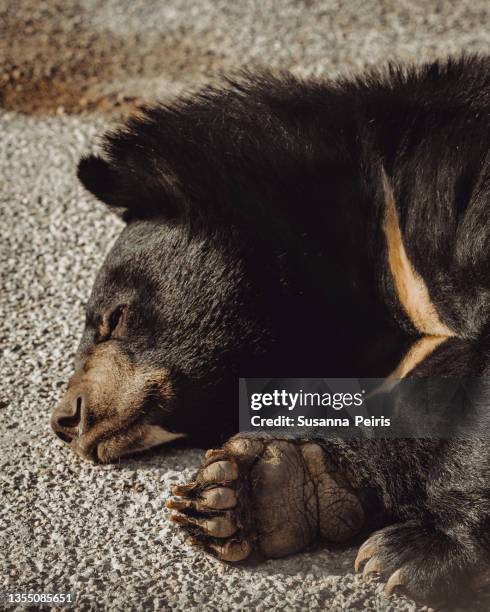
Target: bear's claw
(396,579)
(369,556)
(373,566)
(221,526)
(219,498)
(207,508)
(367,550)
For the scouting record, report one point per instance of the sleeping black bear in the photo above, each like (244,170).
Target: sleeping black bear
(277,227)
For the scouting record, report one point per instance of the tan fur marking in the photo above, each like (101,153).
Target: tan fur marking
(153,435)
(410,286)
(416,354)
(156,435)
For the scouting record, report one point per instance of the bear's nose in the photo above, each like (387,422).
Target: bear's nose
(67,418)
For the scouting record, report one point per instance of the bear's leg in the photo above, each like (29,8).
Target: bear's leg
(275,496)
(423,561)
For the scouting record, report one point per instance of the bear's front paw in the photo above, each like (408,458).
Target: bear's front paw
(272,495)
(418,560)
(212,507)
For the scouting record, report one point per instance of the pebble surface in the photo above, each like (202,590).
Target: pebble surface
(102,532)
(77,55)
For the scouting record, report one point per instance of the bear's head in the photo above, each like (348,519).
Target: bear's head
(185,300)
(220,270)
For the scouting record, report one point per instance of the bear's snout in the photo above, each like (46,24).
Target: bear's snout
(114,407)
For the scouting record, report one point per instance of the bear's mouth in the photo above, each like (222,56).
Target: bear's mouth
(121,444)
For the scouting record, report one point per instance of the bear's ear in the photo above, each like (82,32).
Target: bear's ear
(127,184)
(98,177)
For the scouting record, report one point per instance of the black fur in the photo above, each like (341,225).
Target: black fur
(254,246)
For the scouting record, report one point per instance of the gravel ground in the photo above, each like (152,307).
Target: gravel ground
(101,532)
(104,55)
